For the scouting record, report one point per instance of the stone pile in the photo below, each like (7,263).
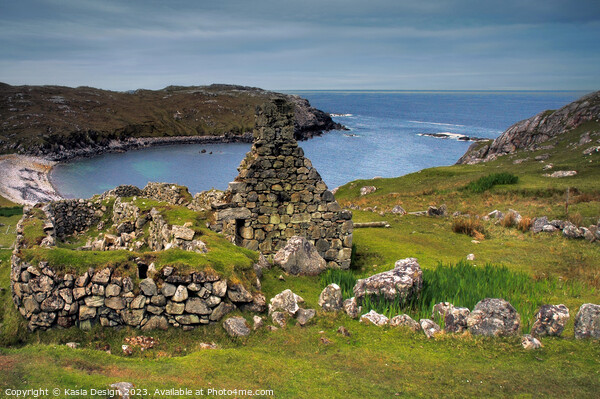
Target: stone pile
(278,194)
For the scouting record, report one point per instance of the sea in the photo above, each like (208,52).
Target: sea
(386,137)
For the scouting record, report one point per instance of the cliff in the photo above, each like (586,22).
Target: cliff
(61,122)
(535,132)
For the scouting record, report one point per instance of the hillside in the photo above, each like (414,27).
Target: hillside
(542,131)
(62,122)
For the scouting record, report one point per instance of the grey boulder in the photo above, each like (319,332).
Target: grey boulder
(494,317)
(300,257)
(404,282)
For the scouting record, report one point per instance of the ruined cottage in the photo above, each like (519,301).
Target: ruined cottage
(278,194)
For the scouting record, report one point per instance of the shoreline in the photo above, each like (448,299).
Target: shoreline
(25,179)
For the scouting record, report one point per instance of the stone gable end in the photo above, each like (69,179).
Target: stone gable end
(278,194)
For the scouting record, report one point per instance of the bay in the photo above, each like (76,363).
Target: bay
(385,139)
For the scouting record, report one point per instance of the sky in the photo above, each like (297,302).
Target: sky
(303,44)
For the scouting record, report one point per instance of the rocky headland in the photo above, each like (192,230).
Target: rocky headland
(536,132)
(60,123)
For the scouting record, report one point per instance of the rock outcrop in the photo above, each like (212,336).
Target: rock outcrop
(535,132)
(85,121)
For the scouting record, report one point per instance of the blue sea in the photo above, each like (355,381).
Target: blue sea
(385,139)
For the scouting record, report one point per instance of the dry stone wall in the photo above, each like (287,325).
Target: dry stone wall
(47,299)
(76,215)
(278,194)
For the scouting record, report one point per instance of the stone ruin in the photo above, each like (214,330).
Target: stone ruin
(278,194)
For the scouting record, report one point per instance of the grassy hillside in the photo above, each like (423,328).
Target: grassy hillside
(316,361)
(41,120)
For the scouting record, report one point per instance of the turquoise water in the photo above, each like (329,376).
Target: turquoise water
(383,141)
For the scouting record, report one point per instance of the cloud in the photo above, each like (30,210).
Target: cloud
(450,44)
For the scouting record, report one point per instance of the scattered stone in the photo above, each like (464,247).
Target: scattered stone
(238,293)
(123,388)
(404,320)
(398,210)
(494,317)
(367,190)
(344,331)
(471,257)
(430,328)
(258,322)
(303,316)
(550,320)
(374,318)
(236,326)
(456,319)
(495,214)
(73,345)
(529,342)
(183,233)
(285,301)
(587,321)
(271,328)
(127,350)
(549,228)
(538,224)
(279,318)
(562,173)
(404,282)
(207,345)
(351,308)
(434,211)
(300,257)
(331,298)
(571,231)
(325,341)
(441,309)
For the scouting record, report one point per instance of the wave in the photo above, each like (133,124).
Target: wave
(340,115)
(452,136)
(437,123)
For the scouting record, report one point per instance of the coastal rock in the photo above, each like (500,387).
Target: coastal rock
(331,298)
(550,320)
(404,282)
(300,257)
(587,321)
(494,317)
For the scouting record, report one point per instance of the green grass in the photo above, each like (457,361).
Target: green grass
(463,285)
(486,182)
(11,211)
